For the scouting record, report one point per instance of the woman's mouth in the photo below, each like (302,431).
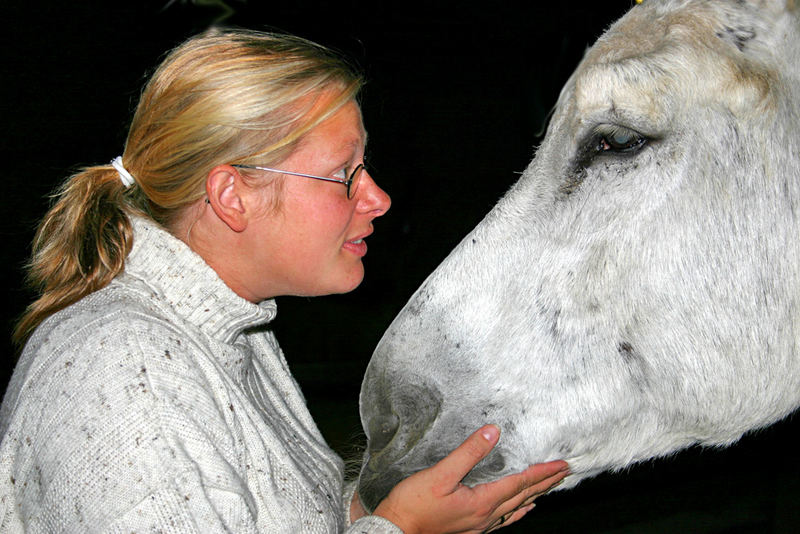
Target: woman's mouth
(356,246)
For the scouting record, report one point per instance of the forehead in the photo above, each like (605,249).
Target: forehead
(344,130)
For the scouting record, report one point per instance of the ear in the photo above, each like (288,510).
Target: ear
(226,194)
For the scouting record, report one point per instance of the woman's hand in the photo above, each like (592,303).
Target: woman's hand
(434,500)
(357,510)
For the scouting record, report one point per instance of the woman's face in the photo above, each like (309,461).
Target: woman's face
(312,244)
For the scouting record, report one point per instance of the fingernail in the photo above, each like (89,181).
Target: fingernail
(490,433)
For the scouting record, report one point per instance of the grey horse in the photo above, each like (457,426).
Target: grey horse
(636,291)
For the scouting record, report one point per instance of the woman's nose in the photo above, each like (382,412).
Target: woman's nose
(371,198)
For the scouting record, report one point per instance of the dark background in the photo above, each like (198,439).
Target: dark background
(456,101)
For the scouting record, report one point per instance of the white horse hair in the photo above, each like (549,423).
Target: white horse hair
(636,291)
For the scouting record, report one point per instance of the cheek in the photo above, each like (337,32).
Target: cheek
(315,242)
(332,226)
(315,229)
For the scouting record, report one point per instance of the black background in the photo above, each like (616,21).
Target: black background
(456,100)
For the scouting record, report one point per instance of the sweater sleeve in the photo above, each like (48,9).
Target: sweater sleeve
(371,524)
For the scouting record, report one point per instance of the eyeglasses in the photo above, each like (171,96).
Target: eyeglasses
(351,182)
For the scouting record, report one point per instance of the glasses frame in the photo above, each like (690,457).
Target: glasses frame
(347,183)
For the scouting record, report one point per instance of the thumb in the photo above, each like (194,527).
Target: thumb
(475,448)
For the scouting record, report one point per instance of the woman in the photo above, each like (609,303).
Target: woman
(151,396)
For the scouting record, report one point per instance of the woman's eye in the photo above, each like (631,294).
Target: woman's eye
(341,174)
(618,139)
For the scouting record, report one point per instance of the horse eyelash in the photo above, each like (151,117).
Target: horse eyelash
(597,143)
(590,149)
(606,133)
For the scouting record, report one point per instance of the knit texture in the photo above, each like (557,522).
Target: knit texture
(162,403)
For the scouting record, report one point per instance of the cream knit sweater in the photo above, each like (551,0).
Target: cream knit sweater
(162,403)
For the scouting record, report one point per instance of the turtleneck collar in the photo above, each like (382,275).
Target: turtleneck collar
(189,285)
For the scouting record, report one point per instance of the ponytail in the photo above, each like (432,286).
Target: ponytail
(80,245)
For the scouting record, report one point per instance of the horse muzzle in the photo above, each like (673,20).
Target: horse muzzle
(396,413)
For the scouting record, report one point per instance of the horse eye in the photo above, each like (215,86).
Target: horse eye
(612,138)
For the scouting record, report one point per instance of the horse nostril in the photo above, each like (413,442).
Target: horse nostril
(381,431)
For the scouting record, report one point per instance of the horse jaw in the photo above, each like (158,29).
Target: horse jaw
(614,308)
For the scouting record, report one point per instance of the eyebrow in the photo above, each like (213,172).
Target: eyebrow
(354,144)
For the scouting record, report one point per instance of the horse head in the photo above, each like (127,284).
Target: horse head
(636,291)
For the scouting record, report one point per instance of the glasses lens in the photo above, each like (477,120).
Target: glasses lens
(355,178)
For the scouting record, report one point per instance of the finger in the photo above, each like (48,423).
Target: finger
(511,517)
(547,469)
(550,480)
(533,481)
(458,463)
(509,495)
(522,500)
(518,504)
(357,510)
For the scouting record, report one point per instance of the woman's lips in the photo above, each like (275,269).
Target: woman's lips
(357,247)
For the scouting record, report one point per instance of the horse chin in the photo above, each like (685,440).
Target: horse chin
(374,486)
(384,468)
(409,428)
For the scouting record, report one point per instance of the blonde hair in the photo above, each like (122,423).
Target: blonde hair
(229,96)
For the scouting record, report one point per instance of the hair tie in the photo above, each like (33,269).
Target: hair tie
(125,177)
